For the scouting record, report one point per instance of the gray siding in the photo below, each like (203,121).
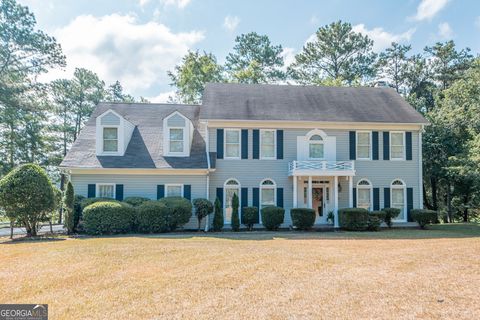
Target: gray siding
(110,119)
(176,121)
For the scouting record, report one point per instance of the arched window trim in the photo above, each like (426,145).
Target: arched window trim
(268,186)
(403,187)
(226,187)
(312,133)
(369,187)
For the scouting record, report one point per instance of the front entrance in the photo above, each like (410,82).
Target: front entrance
(319,204)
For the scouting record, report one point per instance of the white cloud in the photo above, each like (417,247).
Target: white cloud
(381,38)
(231,23)
(162,97)
(427,9)
(143,2)
(177,3)
(314,20)
(288,55)
(477,22)
(117,47)
(445,31)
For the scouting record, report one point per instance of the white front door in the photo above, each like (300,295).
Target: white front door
(320,203)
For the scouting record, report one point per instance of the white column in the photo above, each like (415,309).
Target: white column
(335,199)
(350,192)
(309,192)
(295,193)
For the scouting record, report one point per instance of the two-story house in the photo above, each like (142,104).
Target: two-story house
(292,146)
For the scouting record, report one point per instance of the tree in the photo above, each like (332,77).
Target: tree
(193,73)
(218,216)
(115,93)
(336,52)
(393,64)
(27,196)
(255,60)
(203,207)
(235,218)
(69,202)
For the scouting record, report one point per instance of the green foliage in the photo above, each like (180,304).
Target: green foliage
(235,218)
(424,217)
(115,93)
(77,209)
(109,217)
(152,216)
(69,202)
(353,219)
(393,64)
(27,196)
(85,202)
(249,217)
(373,223)
(303,218)
(179,211)
(331,217)
(390,214)
(218,216)
(272,217)
(135,201)
(379,214)
(203,207)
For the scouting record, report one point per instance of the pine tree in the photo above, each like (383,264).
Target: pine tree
(235,218)
(218,216)
(69,208)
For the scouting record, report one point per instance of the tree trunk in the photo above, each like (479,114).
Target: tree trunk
(465,215)
(51,227)
(62,188)
(199,224)
(465,208)
(449,203)
(433,182)
(11,229)
(425,198)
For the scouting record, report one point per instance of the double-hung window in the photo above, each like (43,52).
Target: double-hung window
(106,190)
(316,147)
(364,145)
(267,144)
(176,139)
(398,197)
(110,139)
(397,145)
(232,143)
(174,190)
(364,194)
(267,193)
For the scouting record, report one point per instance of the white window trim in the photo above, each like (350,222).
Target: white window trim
(274,144)
(183,141)
(187,136)
(230,186)
(369,187)
(97,189)
(174,185)
(322,142)
(103,127)
(404,188)
(370,146)
(271,186)
(404,146)
(225,144)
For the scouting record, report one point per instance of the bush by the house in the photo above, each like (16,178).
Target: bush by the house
(69,202)
(390,214)
(179,210)
(249,217)
(135,201)
(77,209)
(88,201)
(272,217)
(379,214)
(218,216)
(108,217)
(424,217)
(353,219)
(235,218)
(203,207)
(302,218)
(373,223)
(152,216)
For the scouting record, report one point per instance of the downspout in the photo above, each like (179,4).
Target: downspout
(207,191)
(420,167)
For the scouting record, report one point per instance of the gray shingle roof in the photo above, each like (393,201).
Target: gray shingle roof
(145,148)
(306,103)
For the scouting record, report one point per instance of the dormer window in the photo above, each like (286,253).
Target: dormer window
(176,139)
(110,139)
(113,134)
(177,135)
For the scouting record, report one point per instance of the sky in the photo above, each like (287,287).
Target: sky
(138,41)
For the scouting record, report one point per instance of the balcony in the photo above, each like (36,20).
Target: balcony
(321,168)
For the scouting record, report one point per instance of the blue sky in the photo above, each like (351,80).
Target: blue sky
(137,41)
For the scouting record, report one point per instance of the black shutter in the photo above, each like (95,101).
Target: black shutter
(256,201)
(119,192)
(386,197)
(375,145)
(220,196)
(244,144)
(243,201)
(91,191)
(187,191)
(354,196)
(409,203)
(219,143)
(386,145)
(408,144)
(280,197)
(376,199)
(279,144)
(256,144)
(160,191)
(353,145)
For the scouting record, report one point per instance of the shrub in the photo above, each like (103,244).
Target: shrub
(302,218)
(179,213)
(353,219)
(88,201)
(390,214)
(203,207)
(379,214)
(135,201)
(27,196)
(424,217)
(218,216)
(373,223)
(272,217)
(249,217)
(77,209)
(108,217)
(69,201)
(235,218)
(152,216)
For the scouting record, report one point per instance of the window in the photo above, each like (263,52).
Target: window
(110,139)
(267,144)
(363,145)
(398,198)
(231,187)
(232,143)
(176,139)
(267,193)
(397,145)
(106,190)
(364,194)
(315,147)
(174,190)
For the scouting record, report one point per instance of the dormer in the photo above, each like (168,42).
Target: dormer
(177,135)
(113,133)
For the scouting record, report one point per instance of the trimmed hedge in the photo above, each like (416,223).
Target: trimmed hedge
(88,201)
(179,213)
(272,217)
(353,219)
(390,214)
(379,214)
(302,218)
(152,216)
(249,216)
(108,217)
(135,201)
(373,223)
(424,217)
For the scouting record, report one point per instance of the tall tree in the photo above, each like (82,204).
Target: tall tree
(337,52)
(255,60)
(393,63)
(114,93)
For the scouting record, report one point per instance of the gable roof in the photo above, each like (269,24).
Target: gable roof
(228,101)
(145,149)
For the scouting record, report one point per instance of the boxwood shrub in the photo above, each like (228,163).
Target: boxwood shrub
(424,217)
(88,201)
(373,223)
(302,218)
(272,217)
(152,216)
(179,211)
(249,217)
(108,217)
(135,201)
(353,219)
(390,214)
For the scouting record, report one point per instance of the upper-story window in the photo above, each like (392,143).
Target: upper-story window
(232,143)
(177,135)
(267,144)
(364,145)
(176,139)
(110,139)
(112,134)
(397,145)
(316,147)
(364,194)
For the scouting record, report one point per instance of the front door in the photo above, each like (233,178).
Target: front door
(318,204)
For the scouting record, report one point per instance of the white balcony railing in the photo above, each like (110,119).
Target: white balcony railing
(316,167)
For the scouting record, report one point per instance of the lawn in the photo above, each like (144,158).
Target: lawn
(284,275)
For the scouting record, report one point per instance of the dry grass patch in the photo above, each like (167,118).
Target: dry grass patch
(386,275)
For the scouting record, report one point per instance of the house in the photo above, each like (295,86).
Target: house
(292,146)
